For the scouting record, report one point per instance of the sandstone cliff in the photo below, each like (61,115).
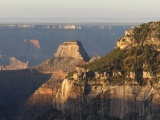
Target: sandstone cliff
(92,96)
(124,84)
(68,56)
(72,49)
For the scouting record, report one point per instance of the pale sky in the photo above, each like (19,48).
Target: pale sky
(81,8)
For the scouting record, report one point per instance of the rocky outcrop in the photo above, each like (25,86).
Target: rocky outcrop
(121,85)
(14,65)
(147,33)
(72,49)
(58,66)
(94,58)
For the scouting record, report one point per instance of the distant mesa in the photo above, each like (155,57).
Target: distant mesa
(14,65)
(72,49)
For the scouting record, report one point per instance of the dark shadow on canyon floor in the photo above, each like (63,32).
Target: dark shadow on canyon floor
(15,87)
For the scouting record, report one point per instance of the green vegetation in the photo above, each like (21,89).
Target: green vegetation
(147,30)
(142,32)
(109,62)
(135,59)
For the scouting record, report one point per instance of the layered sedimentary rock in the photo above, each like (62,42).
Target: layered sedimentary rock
(58,66)
(88,97)
(121,85)
(72,49)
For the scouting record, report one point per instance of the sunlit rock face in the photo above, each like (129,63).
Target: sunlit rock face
(58,66)
(145,34)
(97,99)
(94,91)
(72,49)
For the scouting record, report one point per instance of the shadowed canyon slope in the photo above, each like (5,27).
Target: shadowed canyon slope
(16,87)
(26,94)
(57,66)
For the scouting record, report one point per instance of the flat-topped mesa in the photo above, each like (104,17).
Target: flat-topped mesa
(72,49)
(145,34)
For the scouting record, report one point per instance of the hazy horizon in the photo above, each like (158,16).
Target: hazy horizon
(41,20)
(104,11)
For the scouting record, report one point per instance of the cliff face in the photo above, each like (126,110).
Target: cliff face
(58,66)
(90,96)
(121,85)
(72,49)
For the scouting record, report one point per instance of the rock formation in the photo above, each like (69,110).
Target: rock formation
(121,85)
(124,84)
(145,34)
(94,58)
(58,66)
(72,49)
(14,65)
(97,99)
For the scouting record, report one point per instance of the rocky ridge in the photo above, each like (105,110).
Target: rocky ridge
(58,66)
(94,58)
(145,34)
(124,84)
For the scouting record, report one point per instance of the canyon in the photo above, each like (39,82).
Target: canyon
(37,42)
(123,84)
(33,95)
